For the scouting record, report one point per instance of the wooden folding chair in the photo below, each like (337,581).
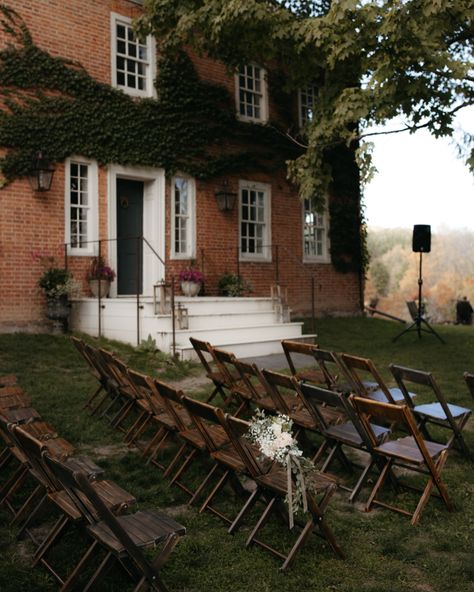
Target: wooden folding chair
(228,463)
(410,453)
(252,387)
(50,491)
(286,392)
(151,412)
(438,413)
(192,442)
(177,420)
(234,383)
(334,372)
(293,349)
(122,538)
(272,486)
(360,368)
(218,378)
(349,433)
(107,384)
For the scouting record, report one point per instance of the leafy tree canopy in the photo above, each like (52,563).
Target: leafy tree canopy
(371,60)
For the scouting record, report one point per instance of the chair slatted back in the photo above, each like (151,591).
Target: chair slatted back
(203,350)
(355,366)
(404,375)
(141,383)
(280,385)
(172,398)
(253,379)
(204,415)
(237,430)
(315,396)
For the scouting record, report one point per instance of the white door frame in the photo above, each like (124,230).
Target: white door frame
(153,221)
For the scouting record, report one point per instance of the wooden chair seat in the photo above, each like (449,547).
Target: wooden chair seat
(435,411)
(439,412)
(21,415)
(194,437)
(229,457)
(145,529)
(277,481)
(347,433)
(8,380)
(14,402)
(407,448)
(396,394)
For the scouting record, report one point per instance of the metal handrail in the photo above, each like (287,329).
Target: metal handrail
(139,239)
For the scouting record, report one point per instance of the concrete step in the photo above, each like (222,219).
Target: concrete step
(244,349)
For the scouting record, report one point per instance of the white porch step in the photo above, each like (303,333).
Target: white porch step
(244,349)
(245,326)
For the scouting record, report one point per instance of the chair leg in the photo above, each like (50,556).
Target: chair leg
(70,581)
(383,473)
(303,536)
(245,508)
(106,564)
(261,521)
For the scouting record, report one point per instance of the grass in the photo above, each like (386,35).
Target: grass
(383,551)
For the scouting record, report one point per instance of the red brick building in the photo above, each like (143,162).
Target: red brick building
(269,236)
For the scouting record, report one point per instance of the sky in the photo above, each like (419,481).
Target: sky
(420,180)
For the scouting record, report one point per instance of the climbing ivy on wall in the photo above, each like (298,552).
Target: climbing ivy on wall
(53,105)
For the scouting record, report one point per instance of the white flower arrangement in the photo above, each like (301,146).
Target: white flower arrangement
(272,434)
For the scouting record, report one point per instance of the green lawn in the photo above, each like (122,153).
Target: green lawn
(383,551)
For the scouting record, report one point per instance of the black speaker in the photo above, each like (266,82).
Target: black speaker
(421,238)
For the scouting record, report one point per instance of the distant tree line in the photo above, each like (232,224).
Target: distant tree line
(448,271)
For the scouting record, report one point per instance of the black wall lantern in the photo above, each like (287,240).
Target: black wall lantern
(225,198)
(41,176)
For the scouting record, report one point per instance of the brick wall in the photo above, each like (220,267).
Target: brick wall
(80,30)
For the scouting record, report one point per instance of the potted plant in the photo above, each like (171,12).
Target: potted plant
(191,281)
(100,277)
(57,283)
(231,284)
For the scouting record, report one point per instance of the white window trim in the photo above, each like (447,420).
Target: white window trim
(300,105)
(91,248)
(264,105)
(267,248)
(191,242)
(151,72)
(326,256)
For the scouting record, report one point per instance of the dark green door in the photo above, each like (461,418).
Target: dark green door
(129,228)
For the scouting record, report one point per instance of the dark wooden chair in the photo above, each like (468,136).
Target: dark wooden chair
(218,378)
(151,413)
(272,486)
(286,391)
(106,384)
(123,538)
(192,445)
(410,452)
(437,413)
(252,387)
(346,434)
(228,464)
(335,373)
(362,372)
(294,352)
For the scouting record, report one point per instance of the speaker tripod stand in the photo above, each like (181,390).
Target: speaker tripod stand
(419,323)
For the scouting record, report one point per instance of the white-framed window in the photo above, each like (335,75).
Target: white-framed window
(133,61)
(315,233)
(306,102)
(255,234)
(183,218)
(81,206)
(251,93)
